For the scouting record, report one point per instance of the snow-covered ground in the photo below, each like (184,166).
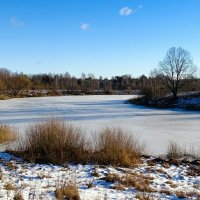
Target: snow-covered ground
(155,127)
(36,181)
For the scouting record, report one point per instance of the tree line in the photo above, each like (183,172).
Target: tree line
(176,73)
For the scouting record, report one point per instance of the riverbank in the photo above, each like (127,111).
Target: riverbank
(151,180)
(189,101)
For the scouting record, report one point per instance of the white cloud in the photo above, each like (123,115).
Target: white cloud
(84,26)
(126,11)
(16,22)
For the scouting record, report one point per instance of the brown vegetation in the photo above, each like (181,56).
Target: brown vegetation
(174,151)
(115,146)
(58,143)
(18,196)
(7,134)
(68,192)
(53,142)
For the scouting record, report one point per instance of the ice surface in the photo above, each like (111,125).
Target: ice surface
(156,127)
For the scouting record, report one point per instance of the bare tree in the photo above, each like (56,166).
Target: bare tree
(176,68)
(16,83)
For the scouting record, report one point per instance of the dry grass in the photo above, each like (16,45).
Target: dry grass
(181,194)
(4,97)
(53,142)
(116,147)
(58,143)
(68,192)
(165,191)
(95,173)
(174,151)
(18,196)
(143,196)
(138,181)
(7,134)
(11,165)
(9,186)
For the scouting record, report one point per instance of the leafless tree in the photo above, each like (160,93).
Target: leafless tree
(176,68)
(16,83)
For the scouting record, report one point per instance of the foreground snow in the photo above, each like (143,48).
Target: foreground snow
(37,181)
(155,127)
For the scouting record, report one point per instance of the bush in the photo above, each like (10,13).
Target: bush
(58,143)
(114,146)
(7,134)
(174,151)
(68,192)
(53,142)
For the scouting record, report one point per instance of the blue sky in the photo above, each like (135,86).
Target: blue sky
(103,37)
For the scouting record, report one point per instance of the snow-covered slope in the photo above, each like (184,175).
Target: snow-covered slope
(37,181)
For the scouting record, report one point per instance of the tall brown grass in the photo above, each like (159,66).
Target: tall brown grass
(53,142)
(59,142)
(115,146)
(7,134)
(68,192)
(174,151)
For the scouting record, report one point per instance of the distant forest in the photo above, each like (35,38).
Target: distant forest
(19,84)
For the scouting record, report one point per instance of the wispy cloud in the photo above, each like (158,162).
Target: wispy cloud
(84,26)
(15,22)
(126,11)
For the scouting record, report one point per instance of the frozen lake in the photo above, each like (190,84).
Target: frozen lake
(155,127)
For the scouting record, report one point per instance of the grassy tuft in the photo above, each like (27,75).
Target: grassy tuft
(18,196)
(53,142)
(174,151)
(116,147)
(67,191)
(7,134)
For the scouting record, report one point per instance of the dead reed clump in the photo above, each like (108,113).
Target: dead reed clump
(143,196)
(18,196)
(9,186)
(174,151)
(68,192)
(181,194)
(53,142)
(7,134)
(116,147)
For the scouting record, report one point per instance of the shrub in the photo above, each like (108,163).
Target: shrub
(7,133)
(68,192)
(174,151)
(53,142)
(114,146)
(18,196)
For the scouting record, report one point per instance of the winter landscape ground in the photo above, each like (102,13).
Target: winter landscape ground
(153,179)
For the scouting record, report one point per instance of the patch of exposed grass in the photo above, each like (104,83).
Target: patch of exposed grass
(138,181)
(7,134)
(181,194)
(9,186)
(143,196)
(67,191)
(18,196)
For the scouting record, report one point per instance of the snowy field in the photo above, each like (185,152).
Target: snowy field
(155,127)
(159,181)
